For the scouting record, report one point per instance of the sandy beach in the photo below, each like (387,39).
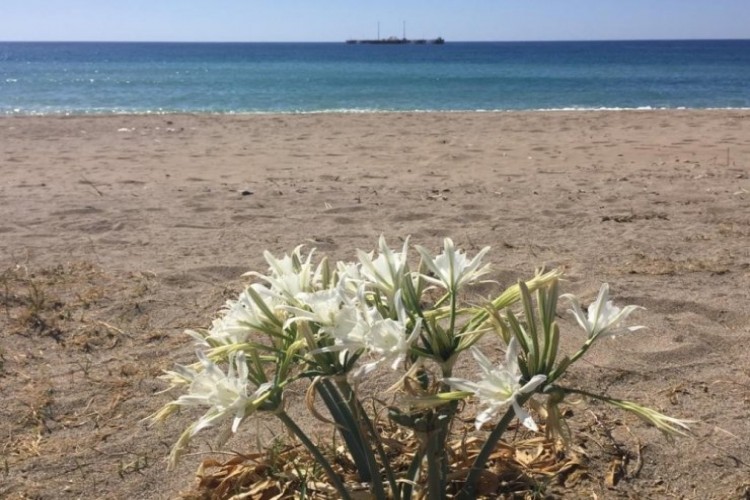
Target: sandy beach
(118,232)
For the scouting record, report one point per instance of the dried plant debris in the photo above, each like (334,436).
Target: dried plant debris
(522,469)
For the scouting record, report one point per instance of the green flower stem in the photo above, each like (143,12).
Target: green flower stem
(468,492)
(412,475)
(347,426)
(442,439)
(565,363)
(434,445)
(551,346)
(454,305)
(547,302)
(361,416)
(512,295)
(381,453)
(435,465)
(441,300)
(322,461)
(669,426)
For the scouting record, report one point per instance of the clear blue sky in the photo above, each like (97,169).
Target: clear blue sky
(336,20)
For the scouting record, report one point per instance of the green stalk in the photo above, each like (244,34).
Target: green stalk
(435,462)
(442,438)
(413,305)
(322,461)
(454,304)
(551,345)
(669,426)
(535,356)
(468,492)
(348,427)
(441,300)
(437,451)
(565,363)
(512,295)
(547,301)
(342,414)
(381,453)
(412,474)
(362,416)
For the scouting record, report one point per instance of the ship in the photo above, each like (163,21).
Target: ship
(399,41)
(394,40)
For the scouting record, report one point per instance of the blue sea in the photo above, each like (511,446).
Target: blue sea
(85,78)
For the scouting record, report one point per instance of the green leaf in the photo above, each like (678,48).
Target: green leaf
(263,307)
(534,356)
(552,347)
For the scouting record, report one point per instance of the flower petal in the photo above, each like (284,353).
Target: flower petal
(461,384)
(532,384)
(524,417)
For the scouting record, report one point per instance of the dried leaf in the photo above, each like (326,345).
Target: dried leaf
(615,472)
(527,457)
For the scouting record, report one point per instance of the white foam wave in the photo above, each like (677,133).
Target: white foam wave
(162,111)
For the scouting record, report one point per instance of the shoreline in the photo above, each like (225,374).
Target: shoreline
(361,111)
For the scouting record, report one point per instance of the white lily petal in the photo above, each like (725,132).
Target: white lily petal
(524,417)
(511,356)
(532,384)
(485,416)
(499,386)
(603,316)
(484,363)
(461,384)
(452,268)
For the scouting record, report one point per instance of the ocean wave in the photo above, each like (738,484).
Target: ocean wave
(50,111)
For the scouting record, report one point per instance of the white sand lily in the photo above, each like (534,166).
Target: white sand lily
(386,339)
(240,319)
(290,276)
(225,393)
(330,309)
(386,270)
(603,316)
(500,387)
(452,268)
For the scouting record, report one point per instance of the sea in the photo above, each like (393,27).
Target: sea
(108,78)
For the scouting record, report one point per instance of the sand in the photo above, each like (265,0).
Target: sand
(117,232)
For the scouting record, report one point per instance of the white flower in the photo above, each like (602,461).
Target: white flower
(290,275)
(225,393)
(238,320)
(350,278)
(603,317)
(337,317)
(386,339)
(500,386)
(330,309)
(452,268)
(387,270)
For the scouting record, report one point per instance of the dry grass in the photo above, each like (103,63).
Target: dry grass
(527,468)
(77,363)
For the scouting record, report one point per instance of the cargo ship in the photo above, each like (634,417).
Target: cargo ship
(394,40)
(399,41)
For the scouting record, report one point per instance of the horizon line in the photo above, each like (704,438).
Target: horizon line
(707,39)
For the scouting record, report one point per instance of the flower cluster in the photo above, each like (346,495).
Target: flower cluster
(355,312)
(333,324)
